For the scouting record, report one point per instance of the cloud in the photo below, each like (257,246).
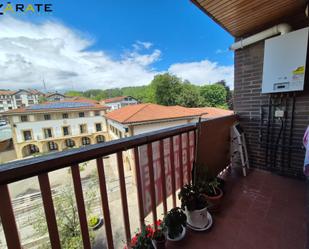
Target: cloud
(31,52)
(203,72)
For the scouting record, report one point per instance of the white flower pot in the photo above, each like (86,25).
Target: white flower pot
(197,218)
(180,237)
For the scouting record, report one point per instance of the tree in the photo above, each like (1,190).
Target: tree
(67,218)
(214,95)
(74,93)
(166,88)
(189,95)
(229,94)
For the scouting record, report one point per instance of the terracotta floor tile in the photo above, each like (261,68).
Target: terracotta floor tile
(260,211)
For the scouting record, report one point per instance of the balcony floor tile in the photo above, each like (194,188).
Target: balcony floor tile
(260,211)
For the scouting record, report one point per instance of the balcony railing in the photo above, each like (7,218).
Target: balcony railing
(185,138)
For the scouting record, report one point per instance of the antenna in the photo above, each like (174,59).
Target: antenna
(44,85)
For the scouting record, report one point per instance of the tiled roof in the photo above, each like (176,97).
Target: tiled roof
(6,92)
(153,112)
(115,99)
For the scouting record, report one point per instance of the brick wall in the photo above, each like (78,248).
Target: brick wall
(247,104)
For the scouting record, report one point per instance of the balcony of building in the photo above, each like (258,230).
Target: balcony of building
(260,210)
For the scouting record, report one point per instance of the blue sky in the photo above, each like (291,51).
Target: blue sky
(141,38)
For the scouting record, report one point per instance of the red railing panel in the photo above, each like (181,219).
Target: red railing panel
(139,187)
(152,184)
(80,206)
(188,158)
(180,160)
(8,219)
(123,193)
(172,160)
(105,206)
(161,146)
(49,210)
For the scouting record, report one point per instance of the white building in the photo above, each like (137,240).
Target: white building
(118,102)
(15,99)
(54,97)
(56,126)
(142,118)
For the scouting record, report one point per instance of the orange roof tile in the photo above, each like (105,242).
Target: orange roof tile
(6,92)
(153,112)
(115,99)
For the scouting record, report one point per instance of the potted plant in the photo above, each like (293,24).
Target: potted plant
(175,222)
(195,204)
(142,239)
(158,237)
(214,194)
(95,222)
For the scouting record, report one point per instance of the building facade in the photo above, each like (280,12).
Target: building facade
(58,126)
(54,97)
(119,102)
(10,100)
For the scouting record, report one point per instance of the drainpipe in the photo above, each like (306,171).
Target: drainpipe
(282,28)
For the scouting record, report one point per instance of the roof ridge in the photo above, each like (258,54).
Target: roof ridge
(145,105)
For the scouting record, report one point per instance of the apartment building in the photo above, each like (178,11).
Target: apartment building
(54,96)
(56,126)
(10,100)
(118,102)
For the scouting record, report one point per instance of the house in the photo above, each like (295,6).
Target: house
(118,102)
(15,99)
(54,96)
(141,118)
(6,100)
(56,126)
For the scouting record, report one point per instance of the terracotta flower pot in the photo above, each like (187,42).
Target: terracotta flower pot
(215,202)
(159,244)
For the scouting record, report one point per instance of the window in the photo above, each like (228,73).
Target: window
(97,113)
(33,149)
(69,143)
(10,107)
(81,114)
(48,133)
(24,118)
(100,139)
(66,130)
(82,128)
(65,115)
(9,102)
(52,146)
(27,135)
(30,101)
(85,140)
(46,116)
(98,127)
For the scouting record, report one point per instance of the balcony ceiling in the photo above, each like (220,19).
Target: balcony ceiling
(241,17)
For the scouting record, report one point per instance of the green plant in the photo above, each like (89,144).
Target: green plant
(142,239)
(192,198)
(175,220)
(159,232)
(93,221)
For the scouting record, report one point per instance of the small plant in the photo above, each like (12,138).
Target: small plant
(159,232)
(191,197)
(142,239)
(175,221)
(93,221)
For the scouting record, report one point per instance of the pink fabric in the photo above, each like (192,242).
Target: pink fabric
(306,161)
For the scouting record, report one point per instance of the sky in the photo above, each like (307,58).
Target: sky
(102,44)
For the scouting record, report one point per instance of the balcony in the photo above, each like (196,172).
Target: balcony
(260,210)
